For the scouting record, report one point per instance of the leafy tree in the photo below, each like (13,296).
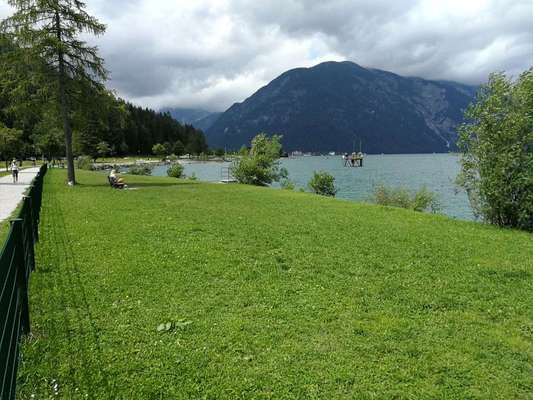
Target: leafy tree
(98,117)
(123,148)
(189,149)
(261,167)
(50,144)
(323,183)
(168,148)
(179,148)
(197,144)
(219,152)
(244,151)
(497,152)
(48,137)
(263,146)
(10,143)
(103,149)
(50,30)
(84,162)
(159,150)
(21,98)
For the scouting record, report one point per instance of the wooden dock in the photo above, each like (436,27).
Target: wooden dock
(353,160)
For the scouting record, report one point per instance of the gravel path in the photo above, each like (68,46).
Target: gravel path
(11,193)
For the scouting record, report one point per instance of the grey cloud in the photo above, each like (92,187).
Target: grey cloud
(211,53)
(395,35)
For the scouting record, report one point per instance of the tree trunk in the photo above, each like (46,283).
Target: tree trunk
(64,106)
(68,131)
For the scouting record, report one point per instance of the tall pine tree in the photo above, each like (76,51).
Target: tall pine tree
(49,30)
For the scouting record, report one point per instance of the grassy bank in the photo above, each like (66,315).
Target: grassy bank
(270,294)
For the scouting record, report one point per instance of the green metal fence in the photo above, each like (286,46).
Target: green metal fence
(17,261)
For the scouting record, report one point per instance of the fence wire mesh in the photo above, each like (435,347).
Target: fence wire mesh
(17,261)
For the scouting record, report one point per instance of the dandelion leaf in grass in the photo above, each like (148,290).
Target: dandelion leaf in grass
(165,327)
(168,326)
(183,323)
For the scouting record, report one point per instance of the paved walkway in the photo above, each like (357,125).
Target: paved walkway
(11,193)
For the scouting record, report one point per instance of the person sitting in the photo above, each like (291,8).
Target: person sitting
(115,181)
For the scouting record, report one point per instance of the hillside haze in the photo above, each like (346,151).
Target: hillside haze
(200,119)
(333,105)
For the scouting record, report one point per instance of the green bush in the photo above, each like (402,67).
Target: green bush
(84,162)
(261,166)
(287,184)
(421,200)
(323,183)
(159,150)
(175,171)
(141,169)
(497,152)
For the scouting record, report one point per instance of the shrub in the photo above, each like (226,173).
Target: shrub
(323,183)
(287,184)
(260,166)
(175,171)
(142,169)
(497,152)
(426,200)
(421,200)
(172,157)
(159,150)
(84,162)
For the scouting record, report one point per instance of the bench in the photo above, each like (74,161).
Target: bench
(114,184)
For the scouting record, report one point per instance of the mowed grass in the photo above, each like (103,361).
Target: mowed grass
(273,294)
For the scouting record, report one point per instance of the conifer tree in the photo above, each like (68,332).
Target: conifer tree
(49,30)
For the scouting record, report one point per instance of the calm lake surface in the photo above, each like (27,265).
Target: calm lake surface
(436,171)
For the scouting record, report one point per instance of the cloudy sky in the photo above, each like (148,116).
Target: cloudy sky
(211,53)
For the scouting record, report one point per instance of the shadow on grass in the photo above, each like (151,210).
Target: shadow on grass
(75,329)
(139,184)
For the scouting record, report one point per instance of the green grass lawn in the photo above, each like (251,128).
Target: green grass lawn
(271,294)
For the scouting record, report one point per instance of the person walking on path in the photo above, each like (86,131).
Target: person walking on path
(15,171)
(11,195)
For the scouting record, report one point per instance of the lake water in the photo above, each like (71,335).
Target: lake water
(436,171)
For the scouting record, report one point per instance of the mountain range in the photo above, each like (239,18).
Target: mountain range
(200,119)
(333,105)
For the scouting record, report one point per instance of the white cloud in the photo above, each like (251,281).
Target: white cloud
(211,53)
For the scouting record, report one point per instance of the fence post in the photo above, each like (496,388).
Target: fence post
(34,194)
(29,225)
(22,277)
